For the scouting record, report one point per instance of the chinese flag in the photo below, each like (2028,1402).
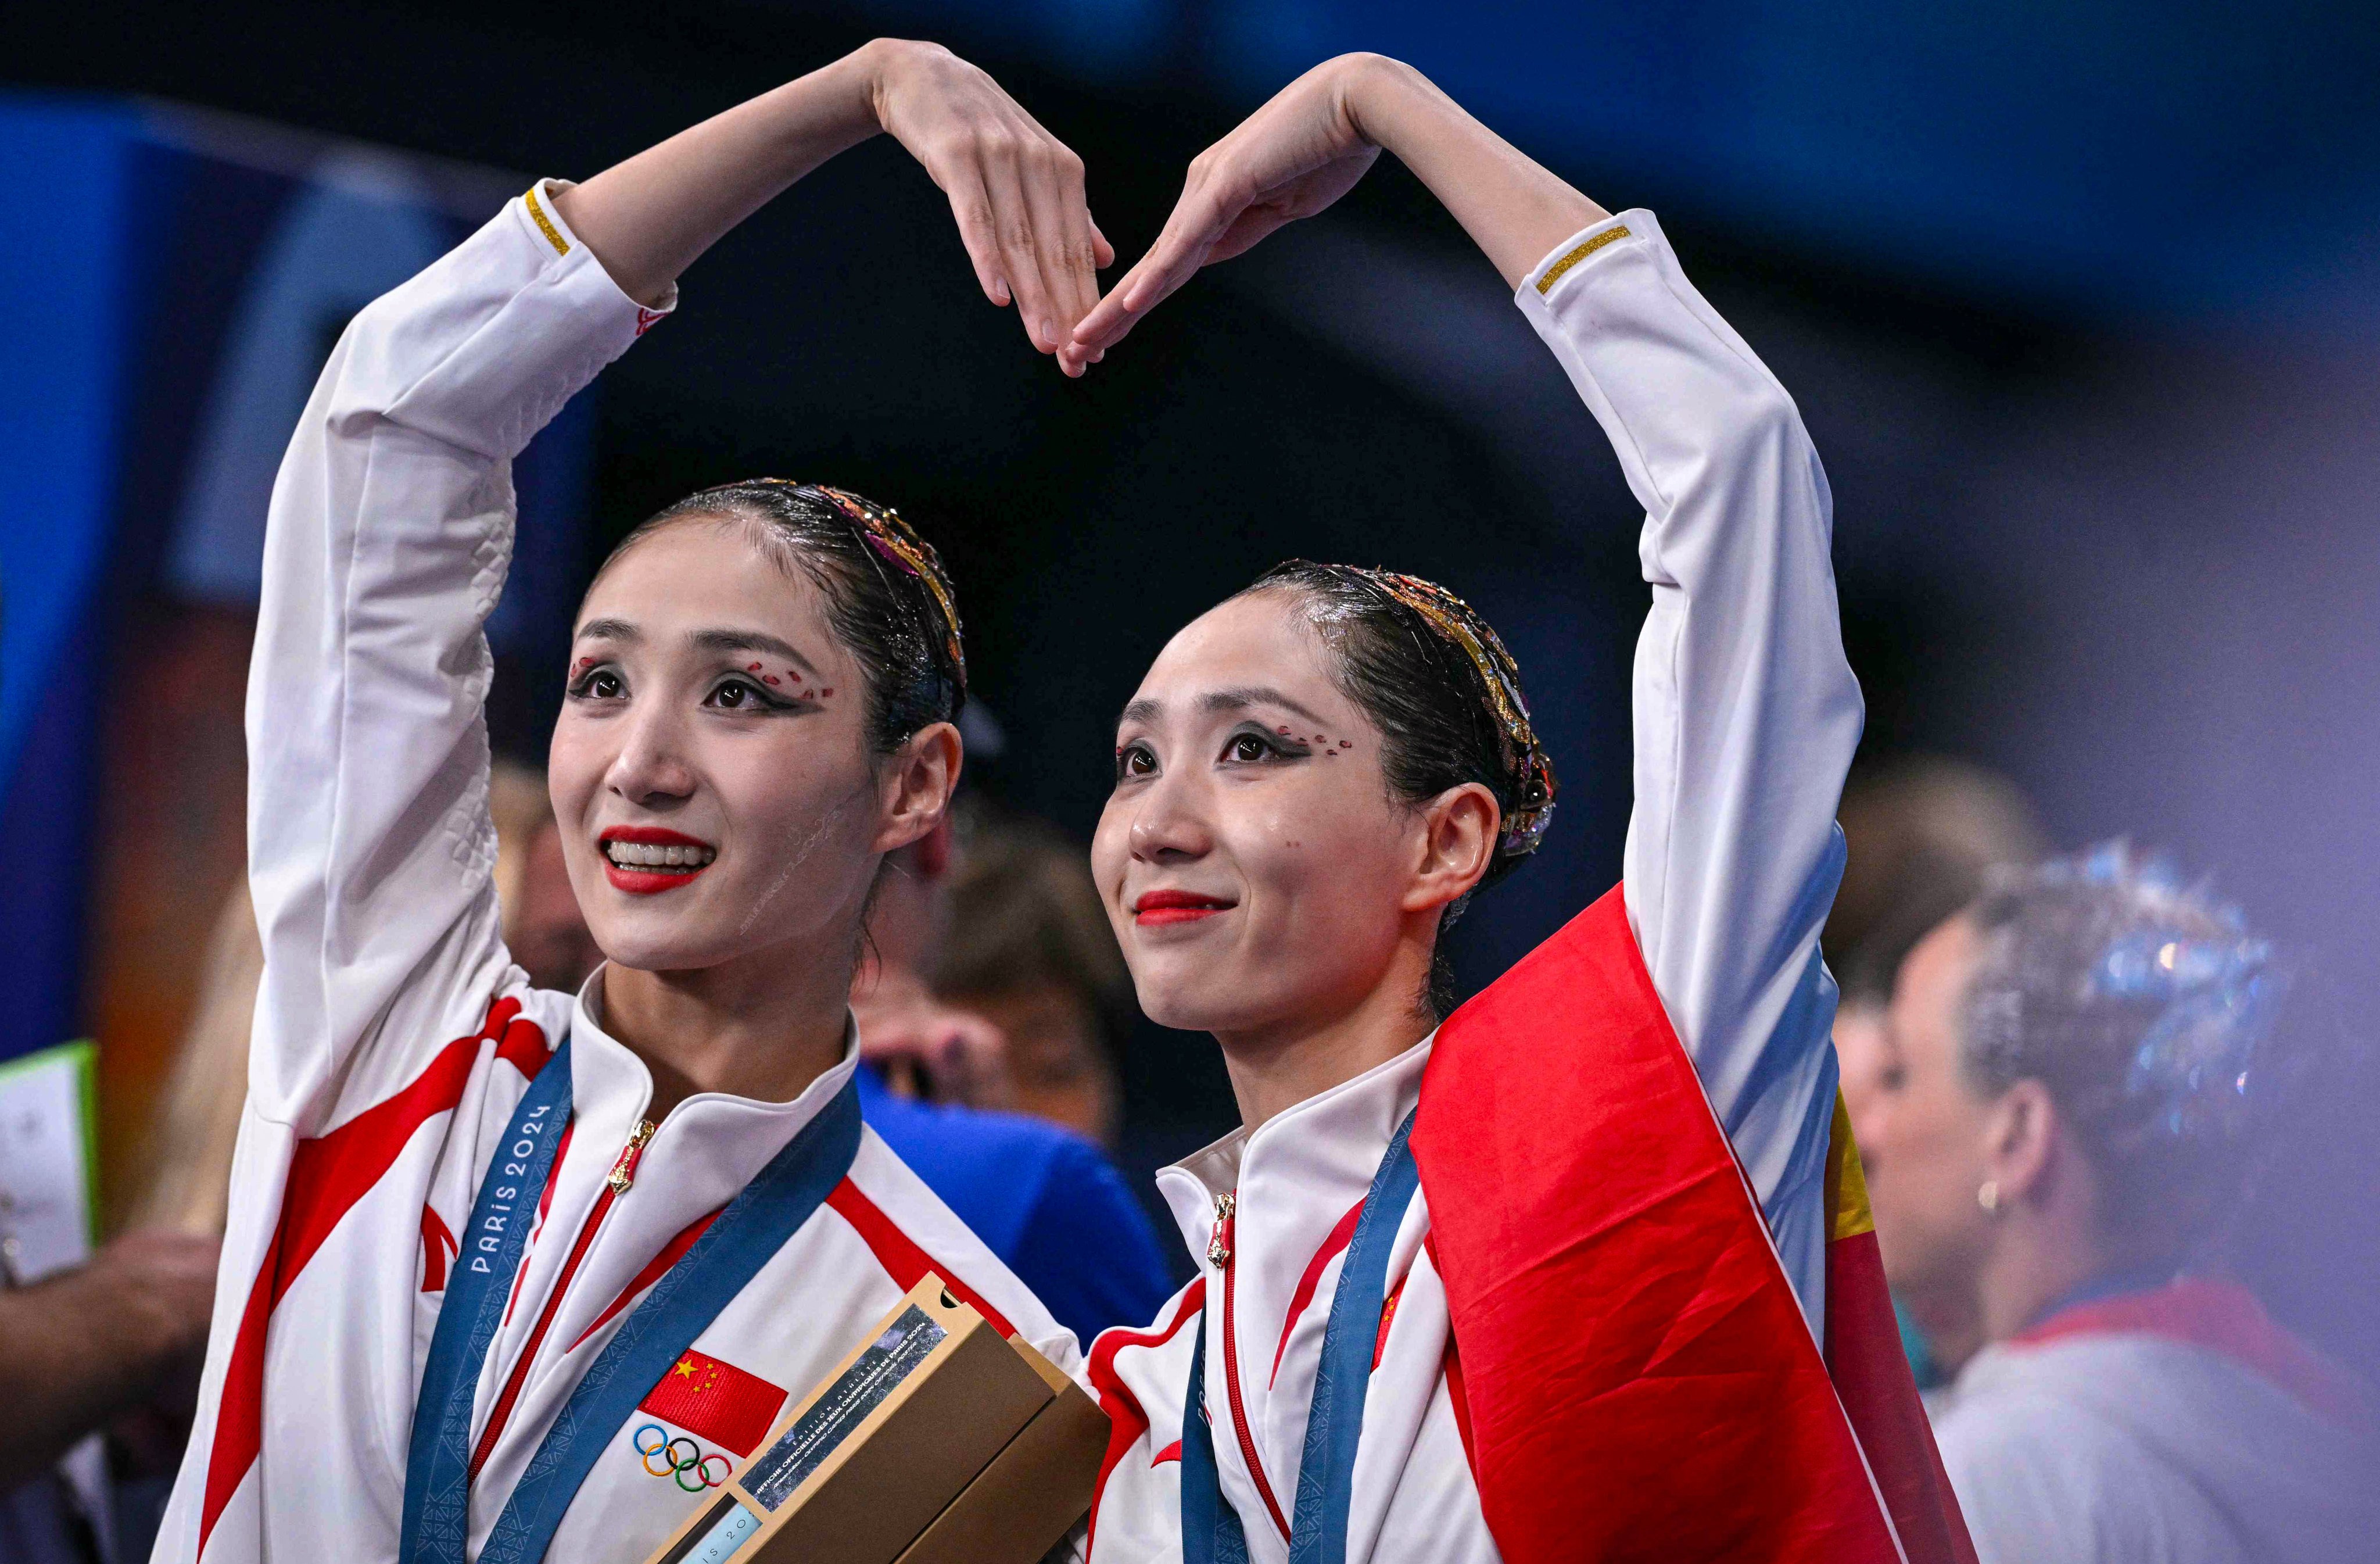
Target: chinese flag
(714,1400)
(1871,1372)
(1641,1381)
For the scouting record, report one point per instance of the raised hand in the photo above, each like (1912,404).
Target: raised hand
(1290,159)
(1015,190)
(1308,148)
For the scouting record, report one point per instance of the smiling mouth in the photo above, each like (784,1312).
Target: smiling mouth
(1159,908)
(645,859)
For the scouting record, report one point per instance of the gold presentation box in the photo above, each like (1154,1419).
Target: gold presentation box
(937,1441)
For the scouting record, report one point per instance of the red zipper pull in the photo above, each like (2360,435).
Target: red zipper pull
(1219,1243)
(624,1168)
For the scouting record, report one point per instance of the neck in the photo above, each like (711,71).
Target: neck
(1949,1319)
(762,1026)
(1275,1068)
(2040,1263)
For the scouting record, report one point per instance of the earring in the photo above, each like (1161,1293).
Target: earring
(1988,1196)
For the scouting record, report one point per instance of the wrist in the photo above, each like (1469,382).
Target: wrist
(1373,92)
(881,64)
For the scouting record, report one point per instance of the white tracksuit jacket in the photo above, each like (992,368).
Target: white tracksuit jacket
(1746,715)
(393,1032)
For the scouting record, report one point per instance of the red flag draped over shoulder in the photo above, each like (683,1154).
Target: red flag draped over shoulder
(1640,1381)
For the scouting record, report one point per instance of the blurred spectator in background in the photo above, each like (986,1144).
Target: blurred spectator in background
(2075,1069)
(115,1345)
(1044,1199)
(120,1342)
(1921,835)
(543,926)
(1028,948)
(921,1048)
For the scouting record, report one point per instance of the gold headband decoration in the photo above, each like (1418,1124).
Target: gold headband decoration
(1530,768)
(894,540)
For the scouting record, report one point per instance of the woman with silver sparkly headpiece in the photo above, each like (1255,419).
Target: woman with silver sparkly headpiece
(2078,1066)
(1581,1270)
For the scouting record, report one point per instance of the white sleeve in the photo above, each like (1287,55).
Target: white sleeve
(370,841)
(1746,712)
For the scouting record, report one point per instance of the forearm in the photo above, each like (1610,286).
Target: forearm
(74,1352)
(1512,208)
(649,218)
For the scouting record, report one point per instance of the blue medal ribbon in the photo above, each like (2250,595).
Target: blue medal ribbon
(438,1464)
(1211,1533)
(757,1223)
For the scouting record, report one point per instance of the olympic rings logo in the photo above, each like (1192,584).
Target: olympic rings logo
(679,1464)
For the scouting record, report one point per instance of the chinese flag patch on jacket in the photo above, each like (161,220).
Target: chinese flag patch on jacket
(716,1401)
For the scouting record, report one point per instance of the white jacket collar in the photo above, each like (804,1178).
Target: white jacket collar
(1320,1153)
(611,1088)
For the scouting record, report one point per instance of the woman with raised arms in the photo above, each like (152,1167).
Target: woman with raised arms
(1550,1281)
(513,1274)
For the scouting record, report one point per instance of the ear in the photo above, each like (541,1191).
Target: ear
(915,784)
(2021,1134)
(1458,842)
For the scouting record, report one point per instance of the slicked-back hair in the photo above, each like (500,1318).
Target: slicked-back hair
(882,614)
(1437,725)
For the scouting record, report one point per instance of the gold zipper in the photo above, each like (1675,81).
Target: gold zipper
(624,1168)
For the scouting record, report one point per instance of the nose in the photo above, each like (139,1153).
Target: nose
(1171,824)
(650,767)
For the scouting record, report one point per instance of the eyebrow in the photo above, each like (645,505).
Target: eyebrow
(750,640)
(706,640)
(608,629)
(1219,701)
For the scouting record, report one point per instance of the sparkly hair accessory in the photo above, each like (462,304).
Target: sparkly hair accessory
(2218,985)
(897,543)
(1531,770)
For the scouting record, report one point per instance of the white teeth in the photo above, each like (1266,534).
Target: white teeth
(642,855)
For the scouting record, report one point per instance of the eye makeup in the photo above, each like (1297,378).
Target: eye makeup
(792,681)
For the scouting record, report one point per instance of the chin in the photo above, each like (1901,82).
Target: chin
(675,946)
(1200,1002)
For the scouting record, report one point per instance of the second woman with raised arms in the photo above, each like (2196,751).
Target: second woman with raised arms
(1498,1289)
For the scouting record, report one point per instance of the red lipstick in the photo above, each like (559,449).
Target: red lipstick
(648,860)
(1161,907)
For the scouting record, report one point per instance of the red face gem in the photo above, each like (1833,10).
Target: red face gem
(768,678)
(1347,743)
(751,667)
(826,691)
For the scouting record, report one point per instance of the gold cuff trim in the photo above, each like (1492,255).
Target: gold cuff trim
(1553,273)
(562,246)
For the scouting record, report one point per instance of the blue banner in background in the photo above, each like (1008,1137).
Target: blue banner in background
(69,265)
(177,282)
